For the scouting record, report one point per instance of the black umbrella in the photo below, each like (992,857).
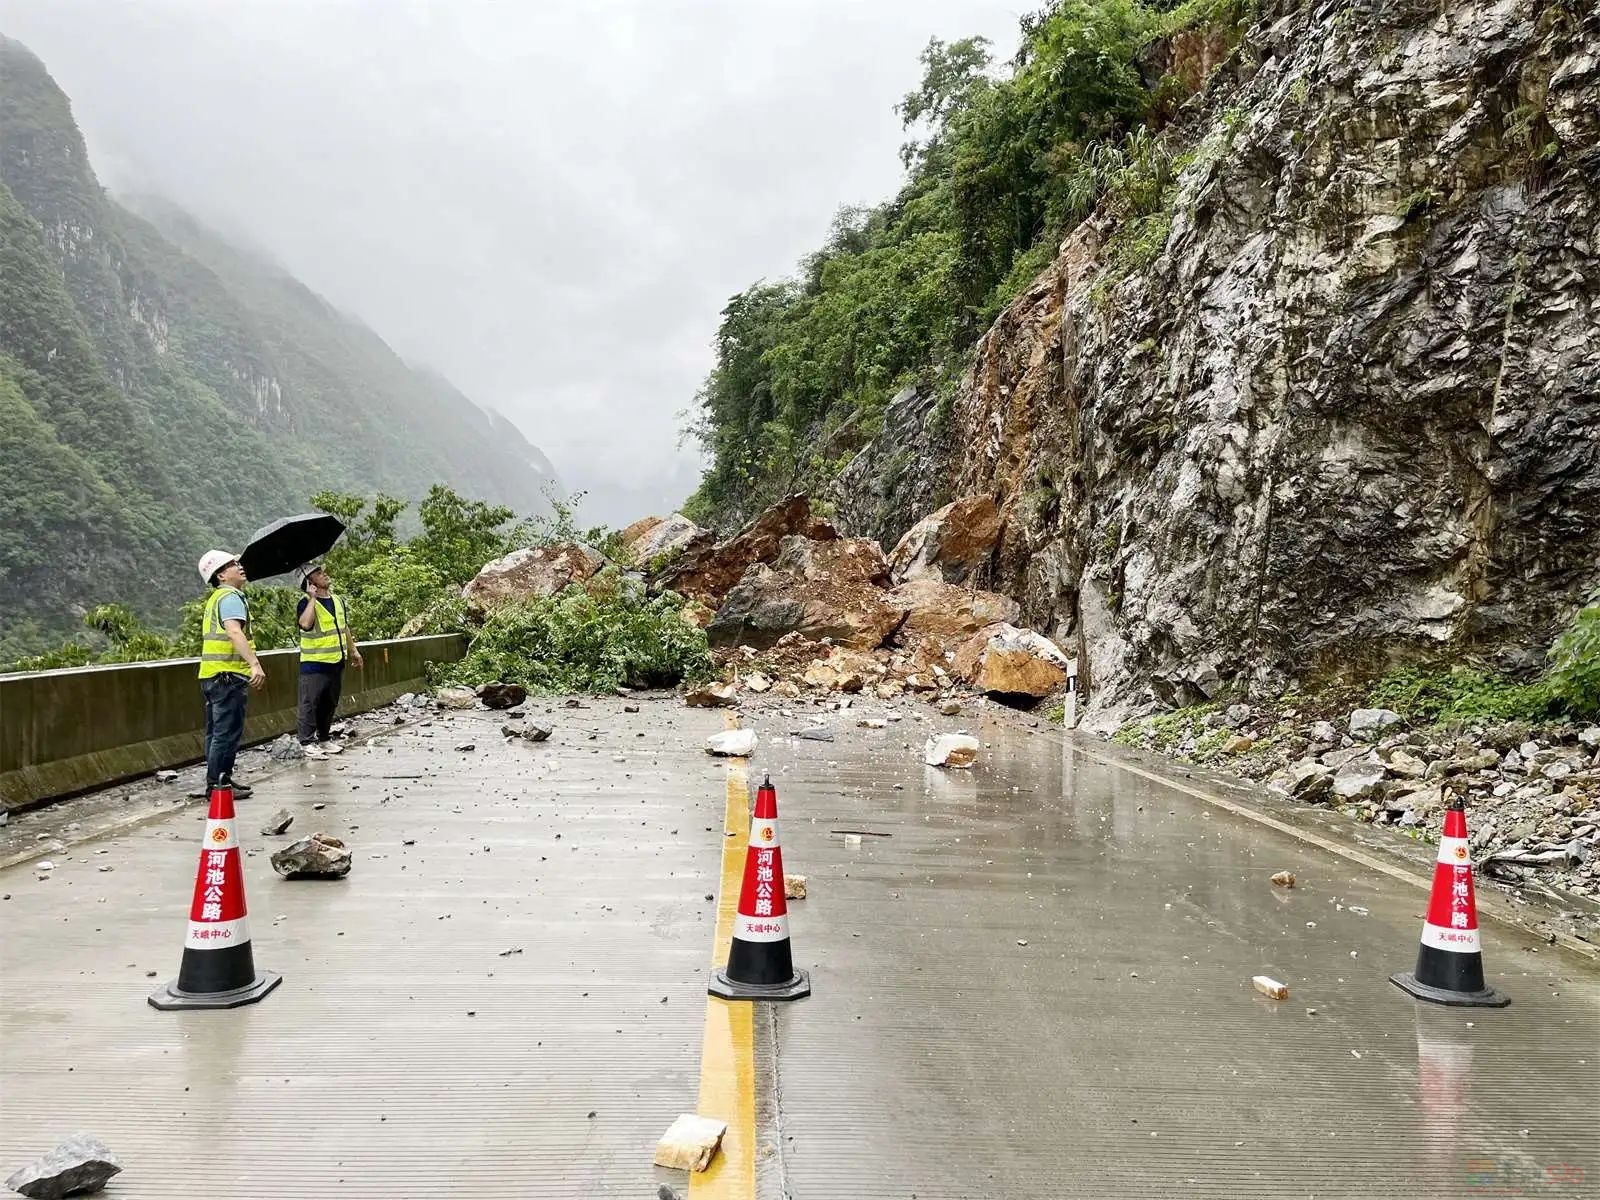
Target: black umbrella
(286,543)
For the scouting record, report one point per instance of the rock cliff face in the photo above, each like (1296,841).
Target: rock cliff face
(1347,412)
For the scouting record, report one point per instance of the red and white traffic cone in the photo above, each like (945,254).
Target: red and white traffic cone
(760,966)
(218,969)
(1450,962)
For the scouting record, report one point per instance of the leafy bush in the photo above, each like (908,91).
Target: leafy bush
(1575,663)
(1463,694)
(586,640)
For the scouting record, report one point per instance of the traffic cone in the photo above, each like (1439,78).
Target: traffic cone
(1450,962)
(760,966)
(218,969)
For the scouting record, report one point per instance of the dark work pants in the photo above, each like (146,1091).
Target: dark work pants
(225,700)
(319,697)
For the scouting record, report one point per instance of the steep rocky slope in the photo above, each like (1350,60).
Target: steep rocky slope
(1339,404)
(162,390)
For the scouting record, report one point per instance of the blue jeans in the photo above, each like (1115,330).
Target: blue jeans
(225,700)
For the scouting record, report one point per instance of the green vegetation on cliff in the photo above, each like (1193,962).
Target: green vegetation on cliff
(162,391)
(999,167)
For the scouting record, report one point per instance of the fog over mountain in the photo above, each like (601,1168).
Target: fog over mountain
(549,203)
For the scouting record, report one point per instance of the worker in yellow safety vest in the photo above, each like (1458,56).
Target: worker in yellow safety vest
(229,668)
(326,644)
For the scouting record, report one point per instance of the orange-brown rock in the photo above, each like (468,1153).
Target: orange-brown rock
(946,612)
(536,571)
(818,589)
(948,544)
(707,572)
(1012,663)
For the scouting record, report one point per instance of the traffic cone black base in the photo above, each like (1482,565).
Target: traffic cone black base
(731,989)
(218,968)
(760,962)
(1449,966)
(170,996)
(1467,993)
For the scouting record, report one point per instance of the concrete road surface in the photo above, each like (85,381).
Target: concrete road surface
(1031,979)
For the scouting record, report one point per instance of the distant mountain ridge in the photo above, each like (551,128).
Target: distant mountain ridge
(162,390)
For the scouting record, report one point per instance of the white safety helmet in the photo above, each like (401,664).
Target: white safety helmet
(213,561)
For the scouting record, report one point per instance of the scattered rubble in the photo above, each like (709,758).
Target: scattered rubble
(277,823)
(794,887)
(80,1165)
(1366,723)
(732,743)
(530,731)
(502,695)
(1284,879)
(287,749)
(456,697)
(690,1143)
(951,750)
(319,856)
(714,695)
(1269,986)
(1532,792)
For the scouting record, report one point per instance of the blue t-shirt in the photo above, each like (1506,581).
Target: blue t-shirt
(316,668)
(232,608)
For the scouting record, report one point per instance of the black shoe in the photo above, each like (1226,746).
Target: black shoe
(241,790)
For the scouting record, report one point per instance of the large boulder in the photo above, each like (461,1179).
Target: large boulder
(654,539)
(766,604)
(1012,664)
(948,544)
(535,571)
(706,572)
(947,612)
(819,589)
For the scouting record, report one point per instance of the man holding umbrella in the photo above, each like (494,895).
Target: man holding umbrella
(229,667)
(326,644)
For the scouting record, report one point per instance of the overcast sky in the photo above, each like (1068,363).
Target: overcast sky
(548,202)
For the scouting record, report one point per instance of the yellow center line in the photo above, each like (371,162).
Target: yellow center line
(727,1055)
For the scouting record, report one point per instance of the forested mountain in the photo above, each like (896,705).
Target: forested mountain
(162,390)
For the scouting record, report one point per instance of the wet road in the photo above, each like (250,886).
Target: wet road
(1119,1052)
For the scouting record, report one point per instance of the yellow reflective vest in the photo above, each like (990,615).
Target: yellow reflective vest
(324,643)
(217,655)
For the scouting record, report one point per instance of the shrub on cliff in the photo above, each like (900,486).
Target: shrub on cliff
(1575,663)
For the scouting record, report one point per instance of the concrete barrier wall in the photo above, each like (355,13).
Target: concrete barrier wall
(67,731)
